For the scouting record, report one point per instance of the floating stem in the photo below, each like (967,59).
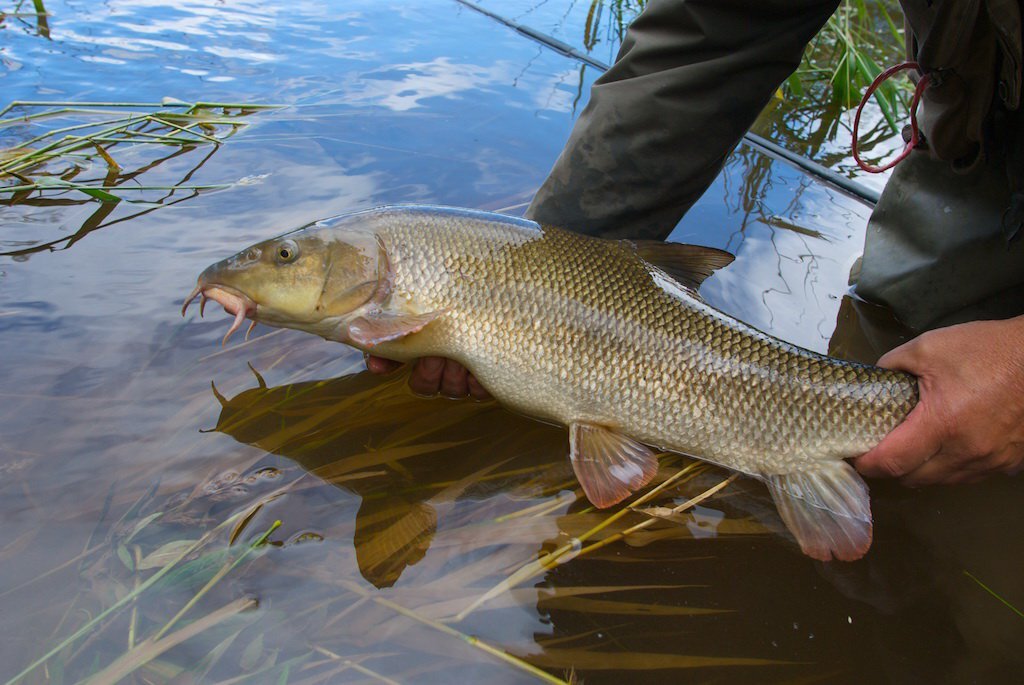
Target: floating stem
(992,592)
(448,630)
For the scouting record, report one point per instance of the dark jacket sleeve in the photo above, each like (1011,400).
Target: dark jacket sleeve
(688,82)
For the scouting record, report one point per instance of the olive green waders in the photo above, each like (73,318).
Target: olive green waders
(690,79)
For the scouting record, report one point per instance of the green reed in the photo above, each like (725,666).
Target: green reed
(856,44)
(100,133)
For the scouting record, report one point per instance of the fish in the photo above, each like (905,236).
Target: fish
(607,337)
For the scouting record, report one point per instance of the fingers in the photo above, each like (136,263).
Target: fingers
(916,453)
(477,391)
(965,466)
(457,381)
(433,375)
(943,468)
(380,365)
(454,380)
(426,376)
(909,445)
(912,356)
(900,358)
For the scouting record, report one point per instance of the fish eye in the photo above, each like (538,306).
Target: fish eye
(287,252)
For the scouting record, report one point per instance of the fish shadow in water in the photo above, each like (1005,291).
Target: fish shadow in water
(403,455)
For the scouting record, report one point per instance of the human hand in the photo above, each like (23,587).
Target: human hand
(969,421)
(433,375)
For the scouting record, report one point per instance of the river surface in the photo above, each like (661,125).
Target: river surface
(178,512)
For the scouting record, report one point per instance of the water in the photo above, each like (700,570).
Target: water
(398,513)
(813,119)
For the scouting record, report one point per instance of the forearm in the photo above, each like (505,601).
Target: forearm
(689,81)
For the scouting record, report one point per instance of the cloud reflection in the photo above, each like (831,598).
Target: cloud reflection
(404,87)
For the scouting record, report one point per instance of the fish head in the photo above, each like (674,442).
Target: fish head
(313,279)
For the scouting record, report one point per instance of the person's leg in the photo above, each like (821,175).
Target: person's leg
(935,251)
(689,81)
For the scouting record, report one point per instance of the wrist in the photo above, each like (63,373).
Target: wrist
(1016,328)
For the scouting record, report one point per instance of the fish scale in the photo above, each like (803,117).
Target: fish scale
(587,333)
(563,326)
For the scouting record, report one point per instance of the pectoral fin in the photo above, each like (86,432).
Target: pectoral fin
(608,465)
(827,510)
(370,330)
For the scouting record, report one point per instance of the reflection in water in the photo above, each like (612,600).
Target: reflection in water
(77,159)
(794,240)
(608,21)
(811,114)
(444,516)
(33,18)
(801,261)
(403,456)
(402,87)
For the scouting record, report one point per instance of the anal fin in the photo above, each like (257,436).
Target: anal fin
(827,510)
(609,465)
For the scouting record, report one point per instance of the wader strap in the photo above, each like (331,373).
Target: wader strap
(915,135)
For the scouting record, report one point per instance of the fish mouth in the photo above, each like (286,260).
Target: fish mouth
(235,302)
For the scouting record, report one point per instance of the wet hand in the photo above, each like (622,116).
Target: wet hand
(969,422)
(433,375)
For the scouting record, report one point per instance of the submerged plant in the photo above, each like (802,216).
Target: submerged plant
(163,562)
(1005,602)
(170,594)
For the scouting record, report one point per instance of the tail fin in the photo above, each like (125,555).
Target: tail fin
(827,510)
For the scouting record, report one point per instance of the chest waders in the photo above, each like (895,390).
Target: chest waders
(691,78)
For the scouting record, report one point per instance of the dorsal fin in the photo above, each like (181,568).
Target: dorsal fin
(688,264)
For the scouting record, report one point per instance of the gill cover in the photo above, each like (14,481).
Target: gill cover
(356,272)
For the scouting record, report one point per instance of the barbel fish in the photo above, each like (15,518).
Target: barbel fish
(609,338)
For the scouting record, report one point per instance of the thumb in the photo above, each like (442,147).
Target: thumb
(902,358)
(906,447)
(376,364)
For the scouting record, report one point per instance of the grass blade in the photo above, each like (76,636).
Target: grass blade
(152,648)
(992,592)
